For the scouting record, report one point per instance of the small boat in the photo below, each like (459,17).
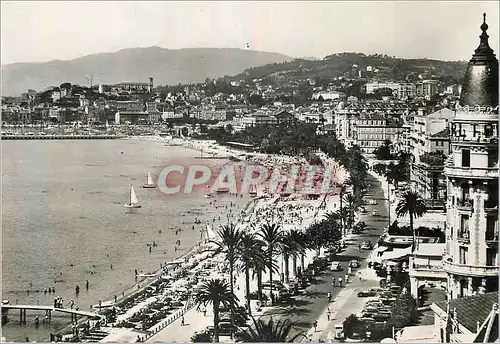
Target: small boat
(133,202)
(149,183)
(105,304)
(253,191)
(146,275)
(208,196)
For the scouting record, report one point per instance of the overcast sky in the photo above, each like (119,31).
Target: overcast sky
(42,31)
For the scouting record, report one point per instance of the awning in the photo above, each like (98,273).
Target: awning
(396,254)
(382,249)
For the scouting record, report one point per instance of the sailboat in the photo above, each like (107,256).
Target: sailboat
(149,184)
(133,202)
(253,190)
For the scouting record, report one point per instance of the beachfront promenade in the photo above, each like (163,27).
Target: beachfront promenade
(312,303)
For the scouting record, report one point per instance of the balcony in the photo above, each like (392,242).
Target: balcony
(463,237)
(469,270)
(491,205)
(465,204)
(427,271)
(491,238)
(471,172)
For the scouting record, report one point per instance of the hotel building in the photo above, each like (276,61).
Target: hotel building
(471,170)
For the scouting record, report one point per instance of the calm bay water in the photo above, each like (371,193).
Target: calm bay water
(63,222)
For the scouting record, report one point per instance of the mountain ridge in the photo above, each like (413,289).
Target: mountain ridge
(166,66)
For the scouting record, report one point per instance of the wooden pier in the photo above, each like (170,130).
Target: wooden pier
(213,157)
(48,311)
(60,137)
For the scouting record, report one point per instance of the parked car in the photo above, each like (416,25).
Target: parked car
(381,316)
(372,202)
(366,245)
(366,293)
(339,331)
(225,329)
(354,263)
(362,210)
(375,213)
(336,266)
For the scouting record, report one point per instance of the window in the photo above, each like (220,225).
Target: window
(492,157)
(464,223)
(491,256)
(463,255)
(465,157)
(492,227)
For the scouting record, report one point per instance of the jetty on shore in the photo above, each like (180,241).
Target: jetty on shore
(48,311)
(60,137)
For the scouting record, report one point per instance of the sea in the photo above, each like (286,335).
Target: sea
(64,222)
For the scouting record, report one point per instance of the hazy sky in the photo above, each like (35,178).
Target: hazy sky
(42,31)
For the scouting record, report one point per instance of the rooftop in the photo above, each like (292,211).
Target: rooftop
(480,85)
(444,113)
(471,310)
(434,250)
(418,334)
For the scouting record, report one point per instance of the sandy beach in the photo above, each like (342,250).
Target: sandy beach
(173,280)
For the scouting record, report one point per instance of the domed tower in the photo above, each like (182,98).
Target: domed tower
(471,259)
(480,85)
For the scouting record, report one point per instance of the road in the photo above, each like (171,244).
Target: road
(312,303)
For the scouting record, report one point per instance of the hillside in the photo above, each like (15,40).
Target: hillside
(389,68)
(135,64)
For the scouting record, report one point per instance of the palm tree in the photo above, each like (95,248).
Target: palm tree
(270,332)
(343,189)
(250,256)
(392,174)
(350,200)
(218,293)
(306,244)
(413,205)
(272,235)
(295,239)
(230,242)
(290,248)
(258,268)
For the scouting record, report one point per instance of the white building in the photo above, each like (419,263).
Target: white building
(471,260)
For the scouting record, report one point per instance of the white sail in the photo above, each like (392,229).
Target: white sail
(150,179)
(133,197)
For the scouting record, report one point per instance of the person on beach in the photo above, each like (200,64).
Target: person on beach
(182,321)
(328,314)
(315,324)
(340,281)
(71,304)
(116,298)
(87,284)
(77,290)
